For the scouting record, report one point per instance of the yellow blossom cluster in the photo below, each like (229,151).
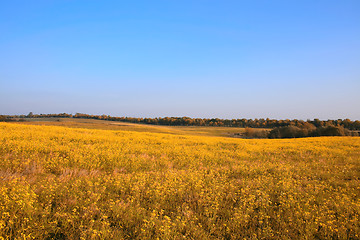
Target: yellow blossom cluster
(76,183)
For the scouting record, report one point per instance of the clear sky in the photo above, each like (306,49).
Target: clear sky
(226,59)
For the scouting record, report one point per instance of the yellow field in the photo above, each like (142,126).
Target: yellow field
(76,183)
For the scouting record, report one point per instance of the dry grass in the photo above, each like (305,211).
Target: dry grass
(124,126)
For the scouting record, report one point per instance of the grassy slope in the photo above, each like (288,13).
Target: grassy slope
(70,183)
(110,125)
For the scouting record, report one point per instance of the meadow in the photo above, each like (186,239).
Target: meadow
(125,126)
(87,181)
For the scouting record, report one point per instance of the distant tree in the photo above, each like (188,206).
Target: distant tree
(331,130)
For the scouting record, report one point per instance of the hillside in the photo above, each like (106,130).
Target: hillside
(137,127)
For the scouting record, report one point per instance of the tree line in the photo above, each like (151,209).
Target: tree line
(310,130)
(187,121)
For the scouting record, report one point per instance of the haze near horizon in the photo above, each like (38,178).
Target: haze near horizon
(208,59)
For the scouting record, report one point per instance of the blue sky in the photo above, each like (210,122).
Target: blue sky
(226,59)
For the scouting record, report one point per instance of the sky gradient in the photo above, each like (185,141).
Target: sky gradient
(225,59)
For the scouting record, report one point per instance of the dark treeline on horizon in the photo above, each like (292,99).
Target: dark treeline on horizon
(187,121)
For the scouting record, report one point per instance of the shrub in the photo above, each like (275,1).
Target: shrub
(255,133)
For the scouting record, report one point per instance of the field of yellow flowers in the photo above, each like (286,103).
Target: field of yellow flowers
(75,183)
